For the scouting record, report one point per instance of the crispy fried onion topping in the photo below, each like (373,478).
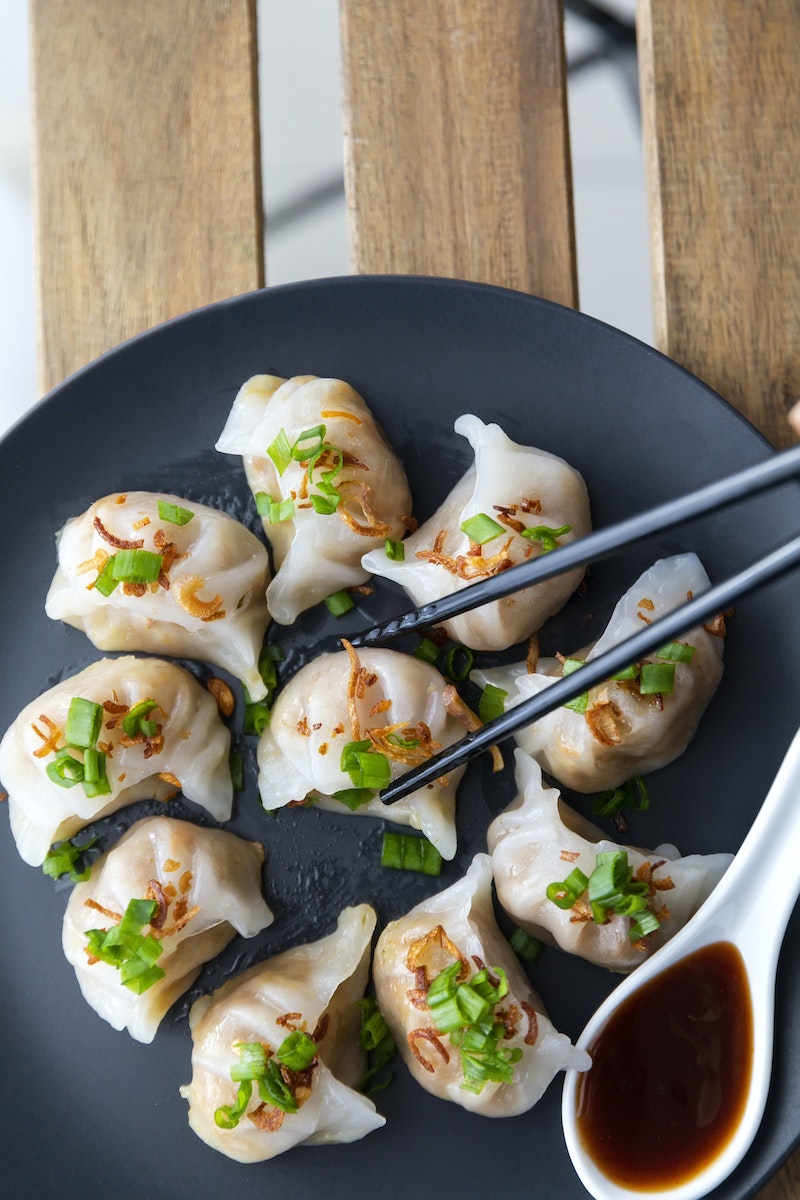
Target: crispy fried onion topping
(156,892)
(457,708)
(358,495)
(605,723)
(428,1034)
(113,540)
(432,953)
(267,1118)
(353,680)
(467,566)
(416,743)
(533,1023)
(50,739)
(186,589)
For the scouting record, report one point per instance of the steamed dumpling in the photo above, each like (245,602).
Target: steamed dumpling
(399,703)
(207,887)
(205,602)
(187,750)
(539,841)
(456,931)
(314,989)
(316,552)
(623,733)
(520,488)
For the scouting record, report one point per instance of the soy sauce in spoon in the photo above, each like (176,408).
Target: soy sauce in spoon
(670,1072)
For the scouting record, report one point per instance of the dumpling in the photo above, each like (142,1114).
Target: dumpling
(538,842)
(207,578)
(522,490)
(308,995)
(398,709)
(620,732)
(203,886)
(327,483)
(174,740)
(500,1059)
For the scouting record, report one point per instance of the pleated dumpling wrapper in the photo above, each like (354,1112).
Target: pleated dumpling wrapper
(635,724)
(295,1020)
(153,730)
(516,502)
(391,707)
(421,960)
(539,843)
(192,890)
(148,571)
(327,484)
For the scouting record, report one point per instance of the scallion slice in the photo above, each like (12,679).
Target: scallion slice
(492,703)
(256,718)
(280,511)
(84,722)
(578,704)
(339,603)
(524,946)
(458,663)
(65,771)
(308,444)
(105,582)
(676,652)
(236,768)
(378,1042)
(405,852)
(546,536)
(280,452)
(396,551)
(354,798)
(481,528)
(137,566)
(135,722)
(657,678)
(428,651)
(63,858)
(325,504)
(297,1050)
(174,513)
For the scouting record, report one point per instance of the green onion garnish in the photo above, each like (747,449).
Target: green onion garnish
(105,582)
(379,1044)
(173,513)
(66,770)
(236,768)
(396,551)
(610,890)
(633,795)
(354,798)
(565,893)
(135,722)
(466,1013)
(327,503)
(367,767)
(657,678)
(458,663)
(546,536)
(297,1051)
(136,566)
(428,651)
(63,858)
(301,451)
(258,1066)
(280,510)
(125,947)
(492,703)
(280,452)
(580,703)
(95,781)
(481,528)
(405,852)
(263,501)
(524,946)
(339,603)
(84,722)
(676,652)
(256,718)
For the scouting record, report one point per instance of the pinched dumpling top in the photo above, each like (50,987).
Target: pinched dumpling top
(328,485)
(157,731)
(391,706)
(532,501)
(150,571)
(539,843)
(620,729)
(421,960)
(305,998)
(200,886)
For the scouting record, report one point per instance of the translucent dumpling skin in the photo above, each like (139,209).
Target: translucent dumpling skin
(623,733)
(459,925)
(188,750)
(317,548)
(206,602)
(520,488)
(207,884)
(538,840)
(401,704)
(314,989)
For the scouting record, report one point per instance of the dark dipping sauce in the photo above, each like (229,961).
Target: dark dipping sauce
(670,1073)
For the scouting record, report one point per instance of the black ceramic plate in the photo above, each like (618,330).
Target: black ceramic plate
(87,1111)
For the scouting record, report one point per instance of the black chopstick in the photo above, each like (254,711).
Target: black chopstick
(604,542)
(659,633)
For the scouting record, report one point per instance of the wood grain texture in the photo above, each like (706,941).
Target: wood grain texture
(721,104)
(147,190)
(457,141)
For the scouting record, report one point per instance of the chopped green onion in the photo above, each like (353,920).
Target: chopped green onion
(66,770)
(611,889)
(677,652)
(405,852)
(631,672)
(428,651)
(546,536)
(263,501)
(236,768)
(95,781)
(326,504)
(580,703)
(465,1012)
(481,528)
(565,894)
(125,947)
(280,511)
(354,798)
(257,1065)
(647,922)
(396,551)
(63,857)
(297,1051)
(657,679)
(339,603)
(379,1044)
(316,436)
(105,582)
(173,513)
(492,703)
(280,452)
(633,795)
(256,718)
(367,768)
(137,566)
(524,946)
(348,760)
(458,663)
(84,722)
(135,720)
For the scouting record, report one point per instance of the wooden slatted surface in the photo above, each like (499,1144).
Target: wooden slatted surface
(147,178)
(721,103)
(456,141)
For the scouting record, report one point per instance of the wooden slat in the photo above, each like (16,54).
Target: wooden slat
(146,167)
(721,104)
(456,141)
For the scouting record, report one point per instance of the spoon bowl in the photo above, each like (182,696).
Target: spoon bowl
(749,908)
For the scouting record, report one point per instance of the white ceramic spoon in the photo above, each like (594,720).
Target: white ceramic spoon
(750,907)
